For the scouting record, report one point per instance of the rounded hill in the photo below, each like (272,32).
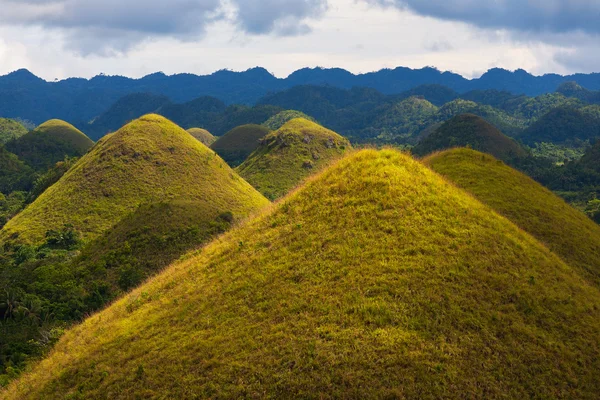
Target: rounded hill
(147,161)
(287,156)
(277,121)
(202,135)
(376,279)
(468,130)
(10,130)
(50,143)
(15,175)
(563,125)
(237,144)
(535,209)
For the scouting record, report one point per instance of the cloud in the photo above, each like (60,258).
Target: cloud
(557,16)
(106,27)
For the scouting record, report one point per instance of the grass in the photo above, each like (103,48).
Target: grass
(376,279)
(50,143)
(297,150)
(204,136)
(10,130)
(149,160)
(237,144)
(472,131)
(565,230)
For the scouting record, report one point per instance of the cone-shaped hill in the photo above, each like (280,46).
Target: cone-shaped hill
(204,136)
(149,160)
(287,156)
(10,130)
(376,279)
(468,130)
(237,144)
(50,143)
(278,120)
(563,229)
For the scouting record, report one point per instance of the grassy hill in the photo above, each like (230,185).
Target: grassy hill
(377,279)
(50,143)
(237,144)
(277,121)
(287,156)
(15,175)
(204,136)
(10,130)
(563,229)
(470,130)
(149,160)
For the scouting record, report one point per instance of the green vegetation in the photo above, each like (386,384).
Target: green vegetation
(559,154)
(14,174)
(10,130)
(469,130)
(237,144)
(203,136)
(535,209)
(563,125)
(406,119)
(50,143)
(277,121)
(377,279)
(284,158)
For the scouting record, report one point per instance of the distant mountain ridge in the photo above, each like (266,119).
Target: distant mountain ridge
(24,95)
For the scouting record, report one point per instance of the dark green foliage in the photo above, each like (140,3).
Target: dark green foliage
(10,205)
(10,130)
(435,94)
(469,130)
(50,177)
(563,125)
(15,175)
(236,145)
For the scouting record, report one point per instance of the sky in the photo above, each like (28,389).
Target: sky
(56,39)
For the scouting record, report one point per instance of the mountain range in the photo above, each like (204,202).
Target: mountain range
(24,95)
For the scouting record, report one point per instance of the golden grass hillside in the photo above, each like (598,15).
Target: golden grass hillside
(204,136)
(149,160)
(472,131)
(237,144)
(50,143)
(566,231)
(376,279)
(285,157)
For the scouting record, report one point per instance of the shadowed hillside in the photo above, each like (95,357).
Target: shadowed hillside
(15,175)
(277,121)
(565,230)
(148,160)
(377,279)
(50,143)
(473,131)
(237,144)
(204,136)
(564,125)
(287,156)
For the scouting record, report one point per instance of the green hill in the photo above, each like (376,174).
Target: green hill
(563,125)
(149,160)
(470,130)
(591,158)
(563,229)
(277,121)
(10,130)
(204,136)
(237,144)
(377,279)
(285,157)
(50,143)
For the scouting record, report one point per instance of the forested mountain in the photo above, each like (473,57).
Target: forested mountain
(26,96)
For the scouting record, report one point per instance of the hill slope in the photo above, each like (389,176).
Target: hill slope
(565,230)
(148,160)
(277,121)
(563,125)
(237,144)
(50,143)
(376,280)
(289,155)
(202,135)
(14,174)
(470,130)
(10,130)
